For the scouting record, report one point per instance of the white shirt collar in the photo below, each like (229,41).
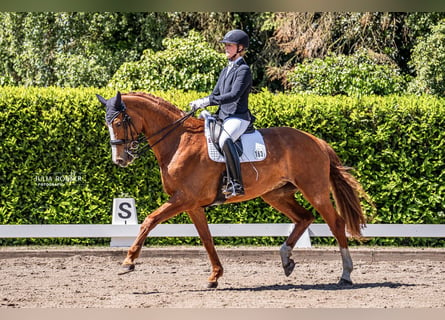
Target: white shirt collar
(231,63)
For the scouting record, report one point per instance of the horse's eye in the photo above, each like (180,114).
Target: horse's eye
(119,124)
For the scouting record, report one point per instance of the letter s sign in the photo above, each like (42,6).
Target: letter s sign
(124,211)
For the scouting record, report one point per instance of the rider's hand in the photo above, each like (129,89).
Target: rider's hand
(200,103)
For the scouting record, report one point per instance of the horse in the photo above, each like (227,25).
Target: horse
(296,161)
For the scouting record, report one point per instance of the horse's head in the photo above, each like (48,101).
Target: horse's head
(124,131)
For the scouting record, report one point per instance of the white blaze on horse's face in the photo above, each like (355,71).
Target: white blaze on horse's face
(113,147)
(119,151)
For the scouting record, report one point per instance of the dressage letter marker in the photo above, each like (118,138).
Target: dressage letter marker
(124,212)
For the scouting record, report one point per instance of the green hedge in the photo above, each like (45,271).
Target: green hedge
(57,136)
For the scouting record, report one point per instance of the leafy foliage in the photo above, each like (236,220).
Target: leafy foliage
(429,62)
(73,49)
(185,64)
(363,73)
(54,135)
(81,49)
(302,35)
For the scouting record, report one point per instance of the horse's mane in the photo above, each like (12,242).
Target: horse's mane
(158,100)
(165,104)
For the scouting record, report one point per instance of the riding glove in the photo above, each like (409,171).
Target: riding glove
(200,103)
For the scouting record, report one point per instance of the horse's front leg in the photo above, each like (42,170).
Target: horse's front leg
(200,221)
(163,213)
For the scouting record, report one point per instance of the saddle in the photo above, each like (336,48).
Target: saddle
(250,146)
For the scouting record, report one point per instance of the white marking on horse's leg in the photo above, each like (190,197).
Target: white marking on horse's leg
(347,265)
(113,147)
(288,264)
(285,253)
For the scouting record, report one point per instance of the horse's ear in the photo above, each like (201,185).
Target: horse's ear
(101,99)
(118,101)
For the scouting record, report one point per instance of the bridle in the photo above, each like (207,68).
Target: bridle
(133,146)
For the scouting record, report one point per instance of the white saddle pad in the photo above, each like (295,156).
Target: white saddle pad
(254,148)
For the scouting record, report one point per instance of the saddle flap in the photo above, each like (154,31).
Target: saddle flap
(215,130)
(250,146)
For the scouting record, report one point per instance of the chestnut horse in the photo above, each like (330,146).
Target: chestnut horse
(296,161)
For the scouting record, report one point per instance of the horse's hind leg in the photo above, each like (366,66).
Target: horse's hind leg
(283,200)
(336,224)
(200,221)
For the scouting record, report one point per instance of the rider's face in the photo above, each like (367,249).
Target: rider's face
(231,50)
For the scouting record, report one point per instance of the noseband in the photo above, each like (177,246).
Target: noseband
(132,147)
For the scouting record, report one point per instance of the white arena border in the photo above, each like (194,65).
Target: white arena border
(217,230)
(124,229)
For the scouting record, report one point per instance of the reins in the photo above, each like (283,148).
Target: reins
(173,127)
(134,150)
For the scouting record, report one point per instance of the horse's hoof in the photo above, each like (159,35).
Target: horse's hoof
(212,285)
(126,268)
(289,267)
(345,283)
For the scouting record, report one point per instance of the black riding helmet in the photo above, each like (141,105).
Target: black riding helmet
(237,37)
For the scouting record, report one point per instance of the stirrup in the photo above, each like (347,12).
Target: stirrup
(233,189)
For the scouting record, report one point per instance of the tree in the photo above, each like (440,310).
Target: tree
(27,48)
(362,73)
(187,63)
(306,35)
(429,63)
(214,25)
(70,49)
(73,49)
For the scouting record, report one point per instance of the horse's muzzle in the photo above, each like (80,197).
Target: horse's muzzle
(124,161)
(121,162)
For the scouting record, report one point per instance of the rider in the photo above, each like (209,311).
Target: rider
(231,95)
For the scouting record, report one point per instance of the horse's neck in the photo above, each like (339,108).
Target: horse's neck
(160,130)
(152,112)
(157,124)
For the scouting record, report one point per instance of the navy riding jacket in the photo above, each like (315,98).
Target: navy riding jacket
(232,90)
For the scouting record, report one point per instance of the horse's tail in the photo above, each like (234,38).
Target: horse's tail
(347,192)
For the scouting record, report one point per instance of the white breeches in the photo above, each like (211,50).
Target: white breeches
(233,128)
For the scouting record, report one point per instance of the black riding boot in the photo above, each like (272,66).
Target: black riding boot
(234,185)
